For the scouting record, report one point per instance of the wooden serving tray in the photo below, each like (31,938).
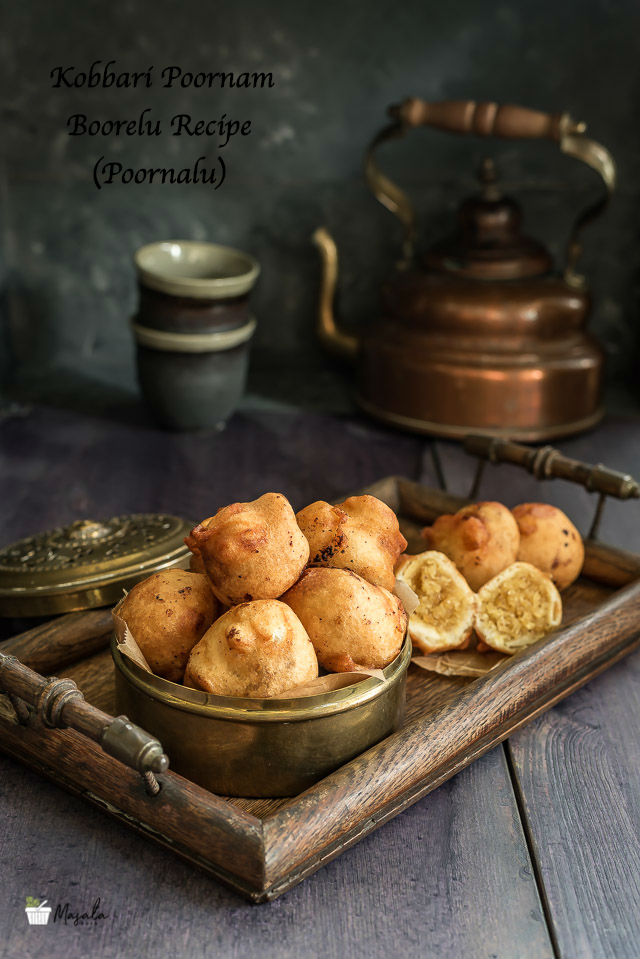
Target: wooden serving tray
(263,847)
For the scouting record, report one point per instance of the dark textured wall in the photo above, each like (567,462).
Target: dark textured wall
(68,283)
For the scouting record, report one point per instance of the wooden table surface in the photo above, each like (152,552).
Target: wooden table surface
(533,851)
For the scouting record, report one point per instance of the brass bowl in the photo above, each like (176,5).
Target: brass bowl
(261,747)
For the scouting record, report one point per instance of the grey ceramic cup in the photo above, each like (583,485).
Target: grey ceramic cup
(193,330)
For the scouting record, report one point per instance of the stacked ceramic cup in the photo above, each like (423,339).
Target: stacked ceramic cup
(193,330)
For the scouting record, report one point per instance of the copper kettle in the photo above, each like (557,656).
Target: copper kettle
(481,334)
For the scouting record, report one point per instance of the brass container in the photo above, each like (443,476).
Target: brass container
(88,563)
(261,747)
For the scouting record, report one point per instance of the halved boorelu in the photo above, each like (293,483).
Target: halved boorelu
(516,608)
(444,618)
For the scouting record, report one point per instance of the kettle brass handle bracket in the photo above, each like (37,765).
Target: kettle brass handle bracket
(389,193)
(489,119)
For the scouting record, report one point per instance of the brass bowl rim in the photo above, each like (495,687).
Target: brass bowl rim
(236,709)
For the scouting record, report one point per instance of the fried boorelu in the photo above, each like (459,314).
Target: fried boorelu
(258,649)
(517,607)
(167,614)
(445,614)
(350,622)
(550,541)
(482,539)
(251,550)
(361,535)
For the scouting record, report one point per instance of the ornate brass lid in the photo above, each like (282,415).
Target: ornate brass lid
(88,563)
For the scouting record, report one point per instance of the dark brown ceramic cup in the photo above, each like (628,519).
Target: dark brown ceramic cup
(186,286)
(193,330)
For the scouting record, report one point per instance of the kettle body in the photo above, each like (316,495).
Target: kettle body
(480,334)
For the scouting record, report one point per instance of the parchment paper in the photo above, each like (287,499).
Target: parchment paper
(126,642)
(459,662)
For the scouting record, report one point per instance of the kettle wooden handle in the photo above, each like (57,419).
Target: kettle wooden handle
(488,119)
(484,119)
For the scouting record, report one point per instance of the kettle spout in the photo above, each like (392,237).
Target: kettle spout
(336,340)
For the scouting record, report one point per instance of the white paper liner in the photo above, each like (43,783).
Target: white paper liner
(330,682)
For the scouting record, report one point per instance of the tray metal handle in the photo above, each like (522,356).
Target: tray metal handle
(545,462)
(59,704)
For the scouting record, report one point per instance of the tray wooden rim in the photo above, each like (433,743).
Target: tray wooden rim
(272,854)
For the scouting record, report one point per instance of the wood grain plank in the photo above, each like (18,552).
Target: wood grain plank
(589,878)
(374,934)
(504,845)
(426,693)
(578,771)
(183,816)
(429,884)
(56,644)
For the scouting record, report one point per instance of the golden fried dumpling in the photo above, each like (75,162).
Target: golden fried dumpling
(258,649)
(167,614)
(550,541)
(361,534)
(482,539)
(197,566)
(350,621)
(251,550)
(444,617)
(517,607)
(195,562)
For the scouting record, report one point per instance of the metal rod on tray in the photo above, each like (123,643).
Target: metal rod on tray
(545,462)
(58,704)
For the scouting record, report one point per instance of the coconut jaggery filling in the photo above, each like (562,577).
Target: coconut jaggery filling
(441,600)
(519,609)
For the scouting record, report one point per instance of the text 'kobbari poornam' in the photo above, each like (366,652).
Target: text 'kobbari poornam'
(104,76)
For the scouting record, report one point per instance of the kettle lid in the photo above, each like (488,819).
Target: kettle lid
(488,244)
